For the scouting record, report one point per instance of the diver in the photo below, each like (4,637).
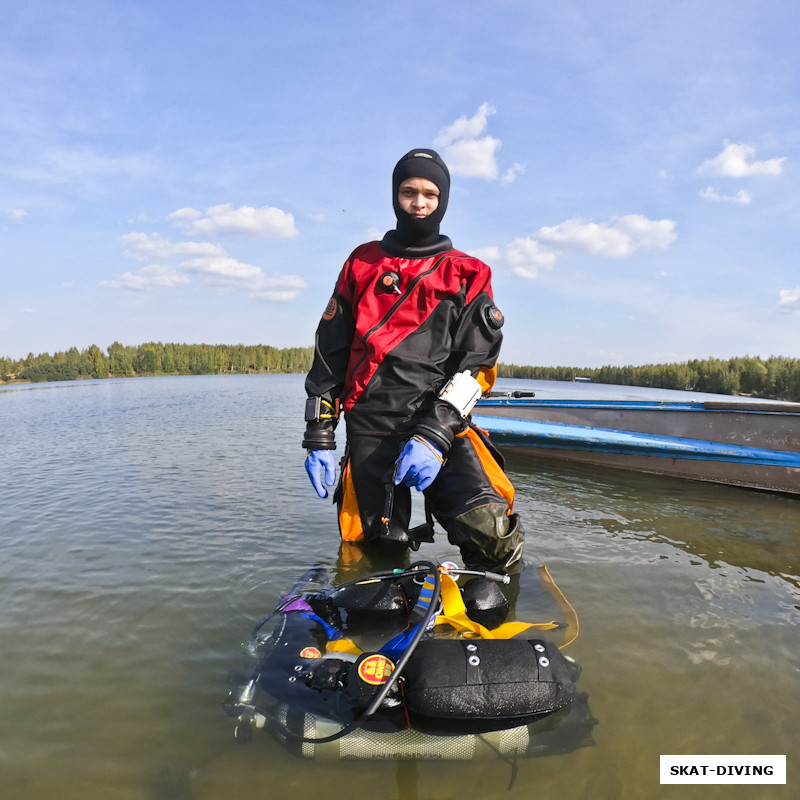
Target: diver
(407,344)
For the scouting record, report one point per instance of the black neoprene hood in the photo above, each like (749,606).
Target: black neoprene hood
(420,163)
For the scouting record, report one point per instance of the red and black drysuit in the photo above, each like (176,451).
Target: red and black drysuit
(401,322)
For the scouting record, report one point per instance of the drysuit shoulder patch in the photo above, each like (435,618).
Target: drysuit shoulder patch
(330,310)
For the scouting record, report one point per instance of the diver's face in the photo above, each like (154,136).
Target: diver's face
(418,197)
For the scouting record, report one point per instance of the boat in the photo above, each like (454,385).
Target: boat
(407,664)
(735,441)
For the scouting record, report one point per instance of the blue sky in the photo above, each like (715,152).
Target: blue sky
(198,172)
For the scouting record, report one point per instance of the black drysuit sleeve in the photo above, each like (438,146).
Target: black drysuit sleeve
(326,378)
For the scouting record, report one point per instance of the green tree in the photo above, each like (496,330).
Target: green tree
(120,364)
(99,362)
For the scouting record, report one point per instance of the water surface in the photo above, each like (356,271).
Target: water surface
(146,524)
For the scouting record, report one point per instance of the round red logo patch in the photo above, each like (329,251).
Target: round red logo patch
(310,652)
(375,669)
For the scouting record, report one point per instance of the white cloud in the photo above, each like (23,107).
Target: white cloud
(510,175)
(213,263)
(620,238)
(733,162)
(16,214)
(154,276)
(710,193)
(273,223)
(487,254)
(142,247)
(223,267)
(646,233)
(465,128)
(473,158)
(790,299)
(527,256)
(184,216)
(278,289)
(465,150)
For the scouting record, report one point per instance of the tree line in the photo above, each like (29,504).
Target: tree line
(776,377)
(155,358)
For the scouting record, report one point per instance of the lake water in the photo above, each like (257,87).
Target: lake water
(147,524)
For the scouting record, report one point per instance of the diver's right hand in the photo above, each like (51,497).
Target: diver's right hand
(316,462)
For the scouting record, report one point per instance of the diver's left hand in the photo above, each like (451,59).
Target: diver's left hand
(419,464)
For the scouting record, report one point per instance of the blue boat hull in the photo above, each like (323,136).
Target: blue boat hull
(754,445)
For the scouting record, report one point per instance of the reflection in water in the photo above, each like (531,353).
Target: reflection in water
(719,524)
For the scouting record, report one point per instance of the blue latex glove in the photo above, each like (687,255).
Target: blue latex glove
(419,464)
(316,461)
